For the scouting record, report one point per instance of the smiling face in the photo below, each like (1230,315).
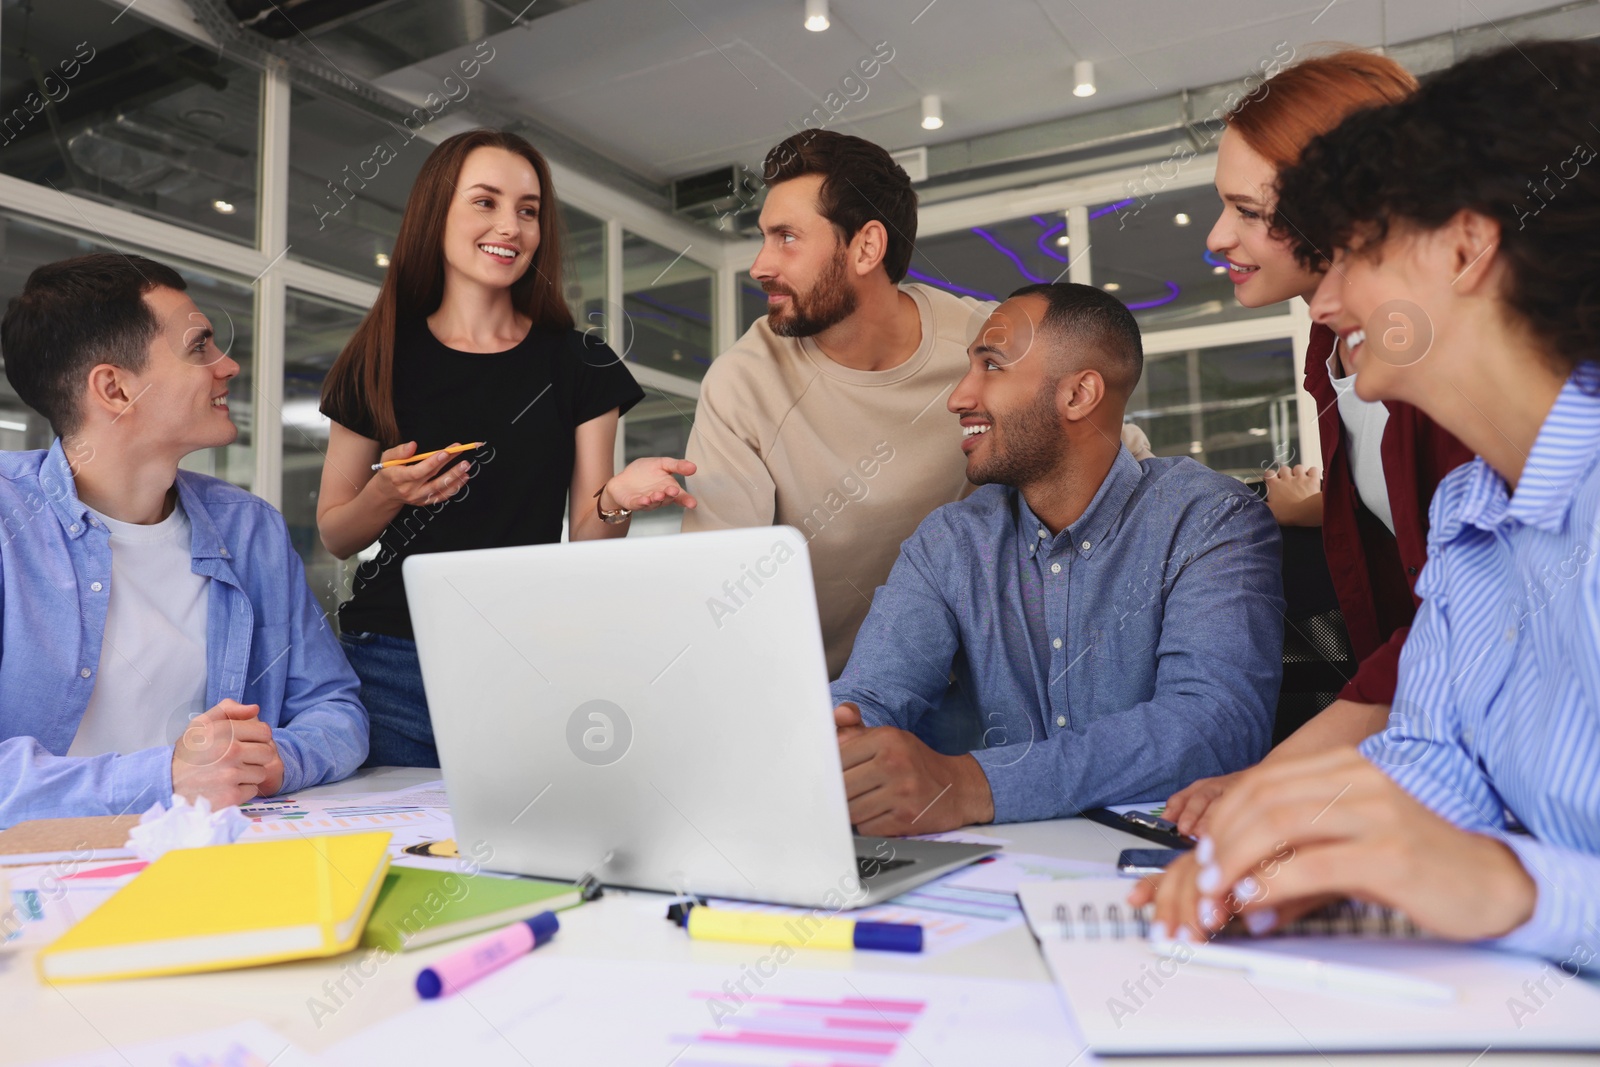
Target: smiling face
(180,397)
(803,266)
(1007,400)
(1262,269)
(1386,304)
(492,229)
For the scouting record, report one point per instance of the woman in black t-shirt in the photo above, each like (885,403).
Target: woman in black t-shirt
(470,340)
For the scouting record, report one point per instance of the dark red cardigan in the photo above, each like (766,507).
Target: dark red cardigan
(1375,572)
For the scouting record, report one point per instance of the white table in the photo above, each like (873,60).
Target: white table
(39,1021)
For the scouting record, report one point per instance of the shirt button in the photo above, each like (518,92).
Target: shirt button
(1055,568)
(1511,633)
(95,586)
(1043,533)
(73,527)
(84,673)
(1056,643)
(1086,546)
(1061,720)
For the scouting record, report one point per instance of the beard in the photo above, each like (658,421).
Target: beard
(1022,446)
(829,302)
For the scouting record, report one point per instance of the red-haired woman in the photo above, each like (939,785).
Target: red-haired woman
(470,340)
(1383,459)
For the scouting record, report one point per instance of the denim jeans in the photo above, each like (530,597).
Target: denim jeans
(391,689)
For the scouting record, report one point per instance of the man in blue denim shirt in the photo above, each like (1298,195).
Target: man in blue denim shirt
(157,635)
(1116,625)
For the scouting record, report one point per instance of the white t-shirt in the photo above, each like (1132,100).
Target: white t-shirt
(1364,421)
(152,676)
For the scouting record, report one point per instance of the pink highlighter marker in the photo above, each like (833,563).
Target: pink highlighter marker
(487,956)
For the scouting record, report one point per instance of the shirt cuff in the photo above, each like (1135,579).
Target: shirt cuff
(140,779)
(1014,800)
(1565,925)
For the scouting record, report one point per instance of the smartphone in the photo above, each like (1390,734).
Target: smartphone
(1146,860)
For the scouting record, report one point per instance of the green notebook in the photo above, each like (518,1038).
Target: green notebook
(419,907)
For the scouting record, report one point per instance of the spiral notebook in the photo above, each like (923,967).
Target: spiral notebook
(1130,999)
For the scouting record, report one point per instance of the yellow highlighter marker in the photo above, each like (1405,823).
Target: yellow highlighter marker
(801,931)
(452,450)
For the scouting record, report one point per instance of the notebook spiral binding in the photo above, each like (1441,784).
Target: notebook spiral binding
(1116,921)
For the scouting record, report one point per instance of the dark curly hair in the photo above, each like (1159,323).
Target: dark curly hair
(1507,134)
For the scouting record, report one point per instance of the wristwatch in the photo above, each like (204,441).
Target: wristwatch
(610,518)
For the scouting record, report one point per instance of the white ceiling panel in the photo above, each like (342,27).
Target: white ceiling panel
(671,87)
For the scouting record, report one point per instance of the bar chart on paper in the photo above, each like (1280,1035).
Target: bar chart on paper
(741,1012)
(799,1032)
(270,820)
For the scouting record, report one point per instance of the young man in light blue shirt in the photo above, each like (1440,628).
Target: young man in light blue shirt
(157,635)
(1116,625)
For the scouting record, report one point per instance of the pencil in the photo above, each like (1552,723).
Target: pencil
(453,449)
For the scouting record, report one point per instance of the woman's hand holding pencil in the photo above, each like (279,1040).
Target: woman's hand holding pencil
(422,479)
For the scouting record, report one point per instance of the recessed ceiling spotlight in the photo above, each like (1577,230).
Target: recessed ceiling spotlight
(1083,78)
(816,15)
(1181,219)
(1111,287)
(1219,270)
(1063,241)
(222,207)
(932,113)
(381,259)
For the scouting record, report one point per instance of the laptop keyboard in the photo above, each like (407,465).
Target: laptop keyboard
(871,866)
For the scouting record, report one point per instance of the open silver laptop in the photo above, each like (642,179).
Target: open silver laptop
(653,712)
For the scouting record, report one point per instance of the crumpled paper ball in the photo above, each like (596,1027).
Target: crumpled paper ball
(184,825)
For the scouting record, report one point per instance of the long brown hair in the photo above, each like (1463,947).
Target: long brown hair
(1286,111)
(362,378)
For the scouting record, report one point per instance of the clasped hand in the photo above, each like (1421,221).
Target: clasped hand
(226,755)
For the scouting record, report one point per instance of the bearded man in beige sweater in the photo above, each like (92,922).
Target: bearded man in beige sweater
(828,415)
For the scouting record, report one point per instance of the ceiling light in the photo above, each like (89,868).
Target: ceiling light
(1181,219)
(932,114)
(1219,270)
(1083,78)
(1111,287)
(1063,241)
(381,259)
(816,15)
(1196,447)
(222,207)
(1257,431)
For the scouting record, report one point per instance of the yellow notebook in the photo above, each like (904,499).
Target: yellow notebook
(210,909)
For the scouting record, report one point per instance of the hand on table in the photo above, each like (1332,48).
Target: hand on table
(1292,836)
(226,755)
(1188,806)
(897,785)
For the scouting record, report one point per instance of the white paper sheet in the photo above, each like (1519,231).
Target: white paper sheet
(548,1009)
(249,1044)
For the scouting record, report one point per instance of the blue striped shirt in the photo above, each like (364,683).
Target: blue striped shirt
(1497,715)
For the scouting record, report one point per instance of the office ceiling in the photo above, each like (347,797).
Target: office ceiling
(673,87)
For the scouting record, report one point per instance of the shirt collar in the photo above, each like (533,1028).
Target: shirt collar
(1098,519)
(1562,452)
(61,489)
(55,478)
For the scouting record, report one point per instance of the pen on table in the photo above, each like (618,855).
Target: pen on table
(487,956)
(1300,970)
(713,924)
(452,450)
